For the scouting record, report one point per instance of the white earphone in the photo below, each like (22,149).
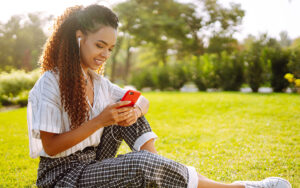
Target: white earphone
(79,39)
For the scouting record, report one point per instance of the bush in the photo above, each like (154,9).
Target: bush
(163,78)
(180,73)
(279,60)
(167,77)
(143,78)
(256,65)
(7,100)
(22,98)
(294,62)
(230,71)
(205,72)
(16,81)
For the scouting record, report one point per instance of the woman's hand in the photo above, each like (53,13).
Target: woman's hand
(134,114)
(113,115)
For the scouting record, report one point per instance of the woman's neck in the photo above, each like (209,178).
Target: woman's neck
(84,68)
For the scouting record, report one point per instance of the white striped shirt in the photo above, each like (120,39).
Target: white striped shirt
(45,112)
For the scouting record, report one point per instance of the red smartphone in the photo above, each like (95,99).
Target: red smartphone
(132,96)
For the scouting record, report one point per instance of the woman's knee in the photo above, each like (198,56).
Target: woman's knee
(147,161)
(144,159)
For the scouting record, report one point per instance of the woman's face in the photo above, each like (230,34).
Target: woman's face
(95,48)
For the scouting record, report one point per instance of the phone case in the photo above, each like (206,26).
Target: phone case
(132,96)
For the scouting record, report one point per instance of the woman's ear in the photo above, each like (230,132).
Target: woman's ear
(79,34)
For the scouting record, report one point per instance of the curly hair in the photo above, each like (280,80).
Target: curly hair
(61,55)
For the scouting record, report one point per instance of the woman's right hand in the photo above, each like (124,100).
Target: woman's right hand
(111,115)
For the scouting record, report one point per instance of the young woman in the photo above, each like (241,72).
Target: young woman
(76,127)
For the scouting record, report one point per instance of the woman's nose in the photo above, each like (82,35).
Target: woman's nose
(105,53)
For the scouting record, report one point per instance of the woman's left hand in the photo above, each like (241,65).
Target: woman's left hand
(132,118)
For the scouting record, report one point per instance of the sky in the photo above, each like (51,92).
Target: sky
(262,16)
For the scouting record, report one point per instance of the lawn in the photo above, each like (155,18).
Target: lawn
(225,136)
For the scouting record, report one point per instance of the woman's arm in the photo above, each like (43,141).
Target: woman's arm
(139,109)
(55,143)
(142,105)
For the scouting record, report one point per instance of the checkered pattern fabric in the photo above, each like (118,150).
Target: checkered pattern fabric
(98,167)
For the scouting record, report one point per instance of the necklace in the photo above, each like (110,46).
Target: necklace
(86,83)
(86,78)
(91,83)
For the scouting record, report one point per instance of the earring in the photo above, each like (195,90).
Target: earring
(79,39)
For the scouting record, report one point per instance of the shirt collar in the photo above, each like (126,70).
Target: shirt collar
(94,74)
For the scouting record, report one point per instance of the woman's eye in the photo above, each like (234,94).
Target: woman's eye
(110,50)
(99,46)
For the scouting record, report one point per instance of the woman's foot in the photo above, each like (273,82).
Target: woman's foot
(272,182)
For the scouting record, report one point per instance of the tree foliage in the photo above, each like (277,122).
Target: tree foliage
(171,25)
(21,41)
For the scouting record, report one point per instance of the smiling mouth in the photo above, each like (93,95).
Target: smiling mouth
(99,62)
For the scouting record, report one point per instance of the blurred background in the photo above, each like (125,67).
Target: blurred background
(167,45)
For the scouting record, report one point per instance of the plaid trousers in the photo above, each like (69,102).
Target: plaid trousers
(98,167)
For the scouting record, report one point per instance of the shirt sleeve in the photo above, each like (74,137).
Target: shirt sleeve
(116,92)
(45,108)
(143,104)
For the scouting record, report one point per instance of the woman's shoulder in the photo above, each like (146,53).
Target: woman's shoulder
(47,83)
(48,79)
(51,76)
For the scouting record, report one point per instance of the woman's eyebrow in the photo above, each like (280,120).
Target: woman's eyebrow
(105,43)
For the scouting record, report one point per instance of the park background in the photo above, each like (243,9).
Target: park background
(189,59)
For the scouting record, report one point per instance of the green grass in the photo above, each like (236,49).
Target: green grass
(225,136)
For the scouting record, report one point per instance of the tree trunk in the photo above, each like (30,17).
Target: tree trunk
(114,57)
(127,63)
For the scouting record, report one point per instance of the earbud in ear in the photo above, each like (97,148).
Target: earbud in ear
(79,39)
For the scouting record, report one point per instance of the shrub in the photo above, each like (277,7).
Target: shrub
(16,81)
(180,73)
(279,60)
(294,62)
(163,78)
(256,65)
(204,75)
(22,98)
(230,71)
(143,78)
(7,100)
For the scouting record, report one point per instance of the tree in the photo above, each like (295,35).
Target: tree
(279,60)
(294,62)
(169,25)
(220,20)
(218,44)
(21,41)
(285,40)
(278,56)
(256,63)
(230,71)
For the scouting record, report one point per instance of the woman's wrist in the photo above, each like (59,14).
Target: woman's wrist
(138,111)
(98,122)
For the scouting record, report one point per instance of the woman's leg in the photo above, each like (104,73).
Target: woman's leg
(204,182)
(134,170)
(110,142)
(113,135)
